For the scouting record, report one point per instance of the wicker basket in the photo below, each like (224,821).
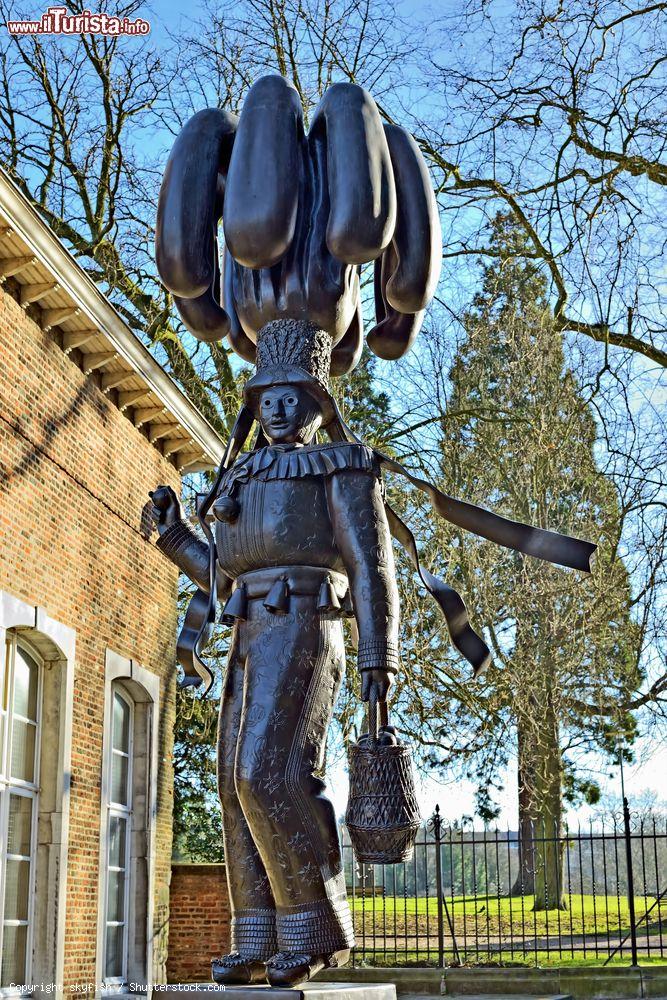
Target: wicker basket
(382,812)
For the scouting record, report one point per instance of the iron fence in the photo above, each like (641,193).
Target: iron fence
(491,897)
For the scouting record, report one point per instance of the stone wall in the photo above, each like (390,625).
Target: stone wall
(198,921)
(74,476)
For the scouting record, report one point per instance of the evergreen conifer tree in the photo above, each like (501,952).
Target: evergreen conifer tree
(519,437)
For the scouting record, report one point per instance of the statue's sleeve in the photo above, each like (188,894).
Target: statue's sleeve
(362,536)
(183,546)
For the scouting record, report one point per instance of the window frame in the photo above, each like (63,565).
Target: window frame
(148,938)
(18,786)
(121,811)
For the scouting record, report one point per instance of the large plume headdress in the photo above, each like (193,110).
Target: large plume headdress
(301,213)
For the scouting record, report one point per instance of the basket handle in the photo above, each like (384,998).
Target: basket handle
(378,715)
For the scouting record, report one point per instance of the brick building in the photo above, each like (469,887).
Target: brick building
(88,423)
(199,920)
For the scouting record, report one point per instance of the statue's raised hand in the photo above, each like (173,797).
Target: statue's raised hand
(166,509)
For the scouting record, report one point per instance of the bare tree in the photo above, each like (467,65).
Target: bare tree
(556,112)
(312,43)
(517,432)
(76,118)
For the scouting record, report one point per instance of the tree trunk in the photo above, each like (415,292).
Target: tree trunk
(524,884)
(548,811)
(540,806)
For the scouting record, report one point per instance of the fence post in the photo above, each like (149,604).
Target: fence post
(437,830)
(631,878)
(627,834)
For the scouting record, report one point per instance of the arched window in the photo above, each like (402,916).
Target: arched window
(119,830)
(37,656)
(20,712)
(131,935)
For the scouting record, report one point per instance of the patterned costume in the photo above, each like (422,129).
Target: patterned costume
(290,593)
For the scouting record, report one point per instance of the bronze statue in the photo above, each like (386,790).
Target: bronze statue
(302,529)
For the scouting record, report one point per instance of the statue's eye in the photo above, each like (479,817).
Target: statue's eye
(291,400)
(266,402)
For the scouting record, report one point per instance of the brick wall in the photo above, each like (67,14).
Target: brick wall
(198,921)
(74,473)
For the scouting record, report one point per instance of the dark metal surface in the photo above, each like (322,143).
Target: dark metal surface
(282,678)
(297,526)
(297,535)
(300,213)
(382,813)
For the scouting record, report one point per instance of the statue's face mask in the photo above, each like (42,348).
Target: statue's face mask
(289,415)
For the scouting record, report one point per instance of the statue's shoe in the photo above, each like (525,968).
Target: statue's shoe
(235,970)
(291,968)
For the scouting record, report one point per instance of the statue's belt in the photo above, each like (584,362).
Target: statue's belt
(301,581)
(277,586)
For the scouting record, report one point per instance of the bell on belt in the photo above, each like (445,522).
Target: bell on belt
(328,598)
(236,608)
(277,599)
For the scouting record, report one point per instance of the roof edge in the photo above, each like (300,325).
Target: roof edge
(43,242)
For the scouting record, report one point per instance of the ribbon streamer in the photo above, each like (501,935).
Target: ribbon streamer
(538,542)
(564,550)
(202,609)
(450,602)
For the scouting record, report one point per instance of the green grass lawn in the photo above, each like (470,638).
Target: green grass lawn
(542,960)
(508,919)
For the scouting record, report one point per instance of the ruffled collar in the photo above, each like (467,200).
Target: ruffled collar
(297,462)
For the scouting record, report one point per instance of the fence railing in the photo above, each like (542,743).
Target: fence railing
(470,896)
